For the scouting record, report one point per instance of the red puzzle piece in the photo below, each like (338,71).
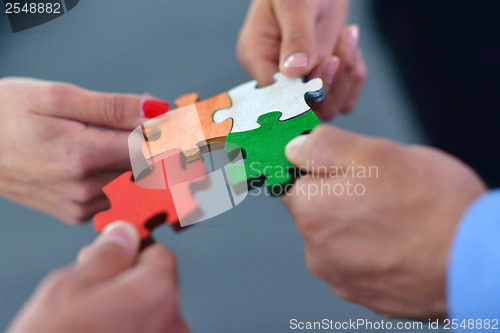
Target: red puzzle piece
(147,208)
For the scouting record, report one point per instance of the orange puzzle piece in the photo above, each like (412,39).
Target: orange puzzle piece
(194,132)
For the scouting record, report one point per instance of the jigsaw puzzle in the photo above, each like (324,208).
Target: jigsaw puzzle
(290,96)
(264,151)
(258,122)
(145,208)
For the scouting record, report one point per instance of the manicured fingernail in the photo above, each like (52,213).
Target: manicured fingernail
(294,145)
(151,108)
(121,233)
(331,70)
(296,60)
(352,36)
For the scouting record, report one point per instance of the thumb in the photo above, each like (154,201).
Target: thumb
(325,147)
(114,250)
(296,21)
(110,110)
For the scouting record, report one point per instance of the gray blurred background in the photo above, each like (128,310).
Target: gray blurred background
(242,271)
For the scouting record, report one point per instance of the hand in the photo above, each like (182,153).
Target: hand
(50,159)
(111,288)
(378,218)
(305,38)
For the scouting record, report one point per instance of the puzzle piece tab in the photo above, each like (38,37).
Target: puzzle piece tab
(264,150)
(148,208)
(190,128)
(290,96)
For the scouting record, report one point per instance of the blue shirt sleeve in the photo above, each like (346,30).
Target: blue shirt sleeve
(474,264)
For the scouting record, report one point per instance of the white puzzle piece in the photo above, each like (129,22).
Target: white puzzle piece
(290,96)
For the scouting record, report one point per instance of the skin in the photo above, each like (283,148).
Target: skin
(111,288)
(388,248)
(274,30)
(45,124)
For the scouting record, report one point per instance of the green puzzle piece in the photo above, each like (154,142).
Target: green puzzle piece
(264,151)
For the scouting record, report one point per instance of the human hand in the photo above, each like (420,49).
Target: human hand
(305,38)
(111,288)
(378,218)
(50,159)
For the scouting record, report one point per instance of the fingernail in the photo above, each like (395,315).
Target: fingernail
(352,36)
(294,145)
(331,70)
(296,60)
(121,233)
(151,108)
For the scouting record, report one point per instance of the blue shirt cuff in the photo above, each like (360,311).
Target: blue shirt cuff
(473,288)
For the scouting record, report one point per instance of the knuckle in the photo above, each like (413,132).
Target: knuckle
(348,107)
(361,73)
(78,214)
(166,259)
(114,108)
(314,266)
(344,293)
(297,38)
(60,94)
(242,52)
(349,67)
(76,164)
(83,192)
(305,225)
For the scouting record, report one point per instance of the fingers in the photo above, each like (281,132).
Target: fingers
(324,147)
(263,72)
(326,70)
(118,111)
(156,266)
(357,84)
(345,87)
(259,43)
(113,252)
(106,150)
(298,50)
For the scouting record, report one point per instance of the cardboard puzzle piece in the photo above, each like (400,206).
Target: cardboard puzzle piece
(264,151)
(145,209)
(148,208)
(290,96)
(190,128)
(182,180)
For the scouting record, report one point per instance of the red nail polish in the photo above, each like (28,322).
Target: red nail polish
(154,108)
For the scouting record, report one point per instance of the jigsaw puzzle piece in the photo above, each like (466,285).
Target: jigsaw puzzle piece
(164,198)
(264,151)
(145,209)
(182,180)
(290,96)
(177,129)
(190,127)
